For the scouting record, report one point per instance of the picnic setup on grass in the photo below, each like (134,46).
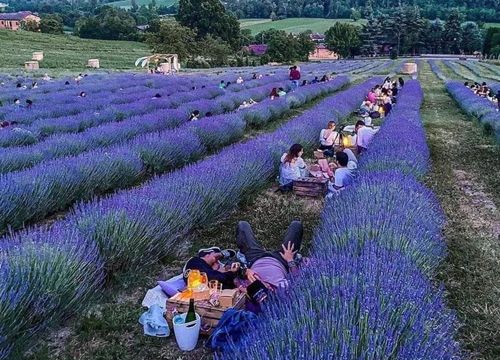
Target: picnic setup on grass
(109,174)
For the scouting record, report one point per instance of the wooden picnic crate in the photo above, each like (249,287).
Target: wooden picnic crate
(210,315)
(310,186)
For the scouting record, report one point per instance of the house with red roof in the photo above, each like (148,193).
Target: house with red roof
(13,21)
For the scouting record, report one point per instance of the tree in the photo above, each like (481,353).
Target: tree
(209,17)
(355,14)
(109,23)
(134,5)
(30,25)
(452,36)
(369,35)
(343,39)
(491,39)
(173,38)
(51,24)
(472,39)
(304,46)
(433,34)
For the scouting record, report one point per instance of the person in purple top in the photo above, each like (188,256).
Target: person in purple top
(271,267)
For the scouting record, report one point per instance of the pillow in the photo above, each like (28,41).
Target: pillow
(173,286)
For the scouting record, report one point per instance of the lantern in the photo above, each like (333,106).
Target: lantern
(346,141)
(197,281)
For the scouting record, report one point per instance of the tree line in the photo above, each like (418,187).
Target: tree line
(476,10)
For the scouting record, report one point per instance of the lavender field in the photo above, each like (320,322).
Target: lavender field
(119,183)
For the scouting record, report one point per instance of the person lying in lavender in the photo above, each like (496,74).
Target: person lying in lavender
(255,262)
(271,267)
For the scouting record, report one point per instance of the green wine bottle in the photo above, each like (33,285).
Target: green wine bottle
(191,315)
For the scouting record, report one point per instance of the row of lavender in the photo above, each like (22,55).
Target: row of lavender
(368,293)
(481,108)
(101,108)
(30,195)
(90,115)
(51,273)
(159,119)
(120,102)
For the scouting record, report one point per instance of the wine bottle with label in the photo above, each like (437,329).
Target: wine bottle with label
(191,315)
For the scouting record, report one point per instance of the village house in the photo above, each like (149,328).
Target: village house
(322,53)
(13,21)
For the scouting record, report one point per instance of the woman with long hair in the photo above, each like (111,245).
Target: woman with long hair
(292,167)
(328,138)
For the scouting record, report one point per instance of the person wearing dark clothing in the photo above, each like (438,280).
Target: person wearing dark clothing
(253,250)
(206,261)
(295,77)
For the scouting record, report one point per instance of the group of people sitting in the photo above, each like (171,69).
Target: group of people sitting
(379,101)
(341,170)
(276,93)
(483,90)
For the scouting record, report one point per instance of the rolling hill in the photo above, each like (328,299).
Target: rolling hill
(293,25)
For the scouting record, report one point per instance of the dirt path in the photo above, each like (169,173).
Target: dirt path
(466,178)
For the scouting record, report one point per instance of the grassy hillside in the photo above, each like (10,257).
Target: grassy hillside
(127,3)
(67,52)
(294,25)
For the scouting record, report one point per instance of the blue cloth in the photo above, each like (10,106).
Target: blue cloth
(154,323)
(230,330)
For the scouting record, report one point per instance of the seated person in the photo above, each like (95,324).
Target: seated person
(271,267)
(156,96)
(315,80)
(366,108)
(352,163)
(372,97)
(239,80)
(304,83)
(195,115)
(364,135)
(274,93)
(281,92)
(343,175)
(292,167)
(329,137)
(222,84)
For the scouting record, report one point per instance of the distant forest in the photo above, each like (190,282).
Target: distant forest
(477,10)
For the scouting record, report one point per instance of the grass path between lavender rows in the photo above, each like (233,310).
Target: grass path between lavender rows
(465,175)
(109,330)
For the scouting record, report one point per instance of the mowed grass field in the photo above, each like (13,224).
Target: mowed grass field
(294,25)
(66,52)
(128,3)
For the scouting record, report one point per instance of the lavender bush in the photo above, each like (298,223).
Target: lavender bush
(482,109)
(52,186)
(367,293)
(133,228)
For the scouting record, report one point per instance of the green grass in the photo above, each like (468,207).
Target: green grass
(128,3)
(293,25)
(66,52)
(488,25)
(470,197)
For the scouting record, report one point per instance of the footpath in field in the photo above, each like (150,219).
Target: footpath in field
(466,178)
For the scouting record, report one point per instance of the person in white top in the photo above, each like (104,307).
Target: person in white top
(292,167)
(352,163)
(328,137)
(239,80)
(343,175)
(364,136)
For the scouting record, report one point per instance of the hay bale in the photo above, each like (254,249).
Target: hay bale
(37,56)
(93,63)
(31,65)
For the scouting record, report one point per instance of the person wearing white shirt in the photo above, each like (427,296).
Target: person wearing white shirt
(352,163)
(328,138)
(292,167)
(343,175)
(364,136)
